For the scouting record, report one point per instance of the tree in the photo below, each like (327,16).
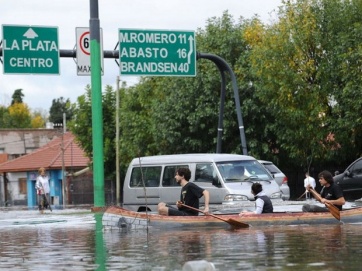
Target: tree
(58,107)
(3,116)
(81,126)
(17,96)
(39,118)
(300,61)
(174,115)
(37,121)
(18,116)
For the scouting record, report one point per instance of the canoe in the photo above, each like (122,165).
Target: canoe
(117,217)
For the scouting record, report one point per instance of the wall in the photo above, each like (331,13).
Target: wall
(15,196)
(17,142)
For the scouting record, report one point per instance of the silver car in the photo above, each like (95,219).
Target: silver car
(279,177)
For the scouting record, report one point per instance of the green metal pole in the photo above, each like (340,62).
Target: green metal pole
(97,116)
(118,183)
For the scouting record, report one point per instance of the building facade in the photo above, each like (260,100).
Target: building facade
(27,152)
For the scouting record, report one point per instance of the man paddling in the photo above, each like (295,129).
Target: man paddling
(190,194)
(331,193)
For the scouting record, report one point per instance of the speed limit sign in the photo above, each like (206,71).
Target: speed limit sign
(83,51)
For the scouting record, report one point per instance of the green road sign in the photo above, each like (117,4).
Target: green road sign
(157,52)
(30,49)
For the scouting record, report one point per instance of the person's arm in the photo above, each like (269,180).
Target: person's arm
(259,206)
(338,194)
(339,201)
(207,200)
(258,210)
(38,184)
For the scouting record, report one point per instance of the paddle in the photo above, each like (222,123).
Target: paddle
(302,195)
(332,209)
(233,222)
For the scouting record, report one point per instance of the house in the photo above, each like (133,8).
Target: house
(17,142)
(62,157)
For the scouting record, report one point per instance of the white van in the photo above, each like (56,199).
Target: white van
(228,177)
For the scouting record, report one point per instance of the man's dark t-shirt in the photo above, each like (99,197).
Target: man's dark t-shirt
(332,192)
(190,195)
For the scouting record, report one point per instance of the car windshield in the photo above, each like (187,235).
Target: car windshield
(243,171)
(272,168)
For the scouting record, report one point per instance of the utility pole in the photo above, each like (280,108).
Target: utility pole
(97,115)
(118,185)
(64,182)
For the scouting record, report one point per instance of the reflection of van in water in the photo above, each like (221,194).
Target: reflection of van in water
(228,177)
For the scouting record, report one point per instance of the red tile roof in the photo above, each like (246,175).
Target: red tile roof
(3,157)
(50,156)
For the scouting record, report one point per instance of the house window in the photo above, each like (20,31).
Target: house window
(22,186)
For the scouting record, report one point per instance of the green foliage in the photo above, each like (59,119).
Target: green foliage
(18,116)
(58,107)
(3,116)
(300,63)
(179,115)
(17,96)
(299,84)
(81,126)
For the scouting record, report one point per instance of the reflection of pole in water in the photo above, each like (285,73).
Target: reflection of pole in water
(100,250)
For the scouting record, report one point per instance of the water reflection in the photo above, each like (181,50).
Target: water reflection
(88,247)
(46,248)
(287,248)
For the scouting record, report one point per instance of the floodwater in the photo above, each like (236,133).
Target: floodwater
(76,241)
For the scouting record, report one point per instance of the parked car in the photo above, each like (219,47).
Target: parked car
(351,180)
(279,177)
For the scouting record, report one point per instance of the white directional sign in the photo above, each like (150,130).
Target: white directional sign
(30,49)
(83,51)
(157,52)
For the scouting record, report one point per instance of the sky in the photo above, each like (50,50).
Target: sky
(40,90)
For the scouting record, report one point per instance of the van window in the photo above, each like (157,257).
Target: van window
(169,175)
(236,171)
(150,175)
(205,172)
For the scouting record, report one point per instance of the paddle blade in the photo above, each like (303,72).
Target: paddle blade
(237,224)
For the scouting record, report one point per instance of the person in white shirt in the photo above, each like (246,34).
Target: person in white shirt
(43,189)
(263,204)
(308,181)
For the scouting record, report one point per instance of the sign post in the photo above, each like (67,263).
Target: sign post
(157,52)
(83,51)
(30,49)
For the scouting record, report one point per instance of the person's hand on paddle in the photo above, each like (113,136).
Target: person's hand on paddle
(246,213)
(206,210)
(325,201)
(179,204)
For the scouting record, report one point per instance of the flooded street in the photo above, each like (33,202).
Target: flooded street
(75,240)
